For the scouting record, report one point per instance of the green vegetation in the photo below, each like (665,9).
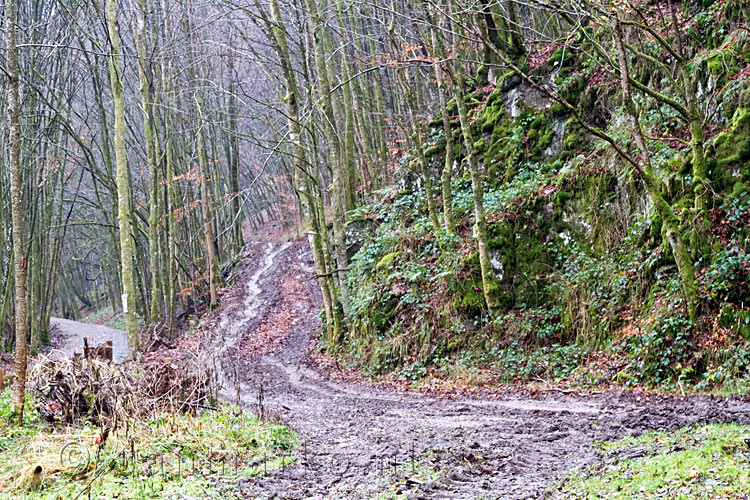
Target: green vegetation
(693,463)
(177,454)
(591,279)
(107,317)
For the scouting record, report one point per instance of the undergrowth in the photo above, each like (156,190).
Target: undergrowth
(584,275)
(169,455)
(710,461)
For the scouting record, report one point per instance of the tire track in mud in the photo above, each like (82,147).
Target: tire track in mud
(358,440)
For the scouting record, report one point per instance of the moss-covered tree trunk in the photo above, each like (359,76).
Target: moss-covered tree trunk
(670,220)
(151,159)
(489,285)
(17,210)
(301,177)
(449,158)
(123,185)
(325,73)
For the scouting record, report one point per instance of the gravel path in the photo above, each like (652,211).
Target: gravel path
(73,332)
(359,441)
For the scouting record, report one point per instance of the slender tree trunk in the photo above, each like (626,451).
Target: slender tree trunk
(208,234)
(17,210)
(301,174)
(123,185)
(477,190)
(447,173)
(234,160)
(151,159)
(206,210)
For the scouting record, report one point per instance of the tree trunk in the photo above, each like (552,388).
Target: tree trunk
(123,185)
(477,190)
(669,218)
(17,210)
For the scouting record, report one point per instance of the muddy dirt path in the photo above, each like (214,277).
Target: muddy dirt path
(359,441)
(73,332)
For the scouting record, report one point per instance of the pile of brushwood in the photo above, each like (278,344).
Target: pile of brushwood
(72,390)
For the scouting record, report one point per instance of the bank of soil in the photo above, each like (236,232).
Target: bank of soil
(359,441)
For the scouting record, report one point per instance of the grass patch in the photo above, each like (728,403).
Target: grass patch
(705,462)
(168,456)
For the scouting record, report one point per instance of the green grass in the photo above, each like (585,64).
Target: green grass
(192,449)
(693,463)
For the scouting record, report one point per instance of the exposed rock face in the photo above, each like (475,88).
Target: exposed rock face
(357,233)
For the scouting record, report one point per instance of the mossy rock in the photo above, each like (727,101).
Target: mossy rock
(558,109)
(469,300)
(540,122)
(722,64)
(562,56)
(468,297)
(493,110)
(573,141)
(386,261)
(572,92)
(502,149)
(732,152)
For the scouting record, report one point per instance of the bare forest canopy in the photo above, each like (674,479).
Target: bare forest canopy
(470,174)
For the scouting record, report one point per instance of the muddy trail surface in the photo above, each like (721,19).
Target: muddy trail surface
(359,441)
(68,338)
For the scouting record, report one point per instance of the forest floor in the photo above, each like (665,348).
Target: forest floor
(363,441)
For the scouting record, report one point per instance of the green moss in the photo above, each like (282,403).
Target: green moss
(546,139)
(437,122)
(557,109)
(387,260)
(452,107)
(468,297)
(502,149)
(493,110)
(573,141)
(539,122)
(572,91)
(732,152)
(722,64)
(563,56)
(433,150)
(740,189)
